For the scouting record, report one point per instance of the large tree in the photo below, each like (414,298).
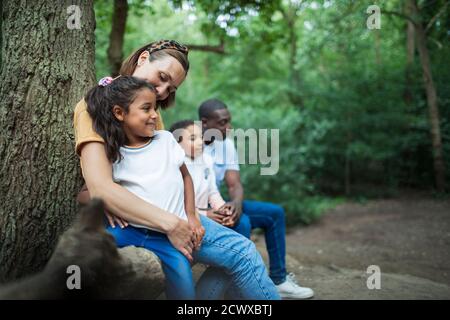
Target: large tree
(432,98)
(47,66)
(116,36)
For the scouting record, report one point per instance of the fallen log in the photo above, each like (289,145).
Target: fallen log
(86,264)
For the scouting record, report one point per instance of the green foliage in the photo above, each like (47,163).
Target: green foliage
(352,135)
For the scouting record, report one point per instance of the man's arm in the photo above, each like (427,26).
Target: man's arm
(97,172)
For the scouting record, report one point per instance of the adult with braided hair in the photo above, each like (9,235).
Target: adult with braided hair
(164,64)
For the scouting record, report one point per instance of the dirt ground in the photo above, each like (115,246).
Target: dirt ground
(408,238)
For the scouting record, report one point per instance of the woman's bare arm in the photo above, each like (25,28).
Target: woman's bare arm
(97,172)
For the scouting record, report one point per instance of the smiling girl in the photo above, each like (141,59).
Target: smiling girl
(150,164)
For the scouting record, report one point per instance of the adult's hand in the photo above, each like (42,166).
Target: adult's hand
(182,238)
(113,219)
(84,197)
(235,210)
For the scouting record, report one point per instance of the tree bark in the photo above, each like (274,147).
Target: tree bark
(432,100)
(119,21)
(47,67)
(410,49)
(290,15)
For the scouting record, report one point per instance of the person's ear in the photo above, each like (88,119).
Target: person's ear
(204,122)
(119,113)
(142,57)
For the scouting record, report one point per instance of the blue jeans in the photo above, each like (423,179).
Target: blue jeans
(179,282)
(233,259)
(271,218)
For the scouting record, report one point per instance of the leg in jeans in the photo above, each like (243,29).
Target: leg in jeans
(271,219)
(243,226)
(238,258)
(179,281)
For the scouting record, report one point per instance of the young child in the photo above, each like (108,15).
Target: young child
(200,166)
(150,164)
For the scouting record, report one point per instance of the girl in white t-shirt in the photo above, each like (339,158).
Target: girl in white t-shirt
(150,164)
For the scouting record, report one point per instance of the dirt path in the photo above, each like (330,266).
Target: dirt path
(408,238)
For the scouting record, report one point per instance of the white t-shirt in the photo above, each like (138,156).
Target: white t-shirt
(152,173)
(224,156)
(203,177)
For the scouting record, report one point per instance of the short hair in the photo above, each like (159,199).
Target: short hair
(209,106)
(183,124)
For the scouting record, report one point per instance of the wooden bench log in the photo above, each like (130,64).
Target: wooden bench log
(105,272)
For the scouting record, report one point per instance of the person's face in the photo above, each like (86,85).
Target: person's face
(191,141)
(220,120)
(139,123)
(165,74)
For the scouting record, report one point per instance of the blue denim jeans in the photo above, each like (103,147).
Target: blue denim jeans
(271,218)
(233,259)
(179,282)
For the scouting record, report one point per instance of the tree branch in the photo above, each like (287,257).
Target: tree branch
(399,14)
(219,49)
(433,20)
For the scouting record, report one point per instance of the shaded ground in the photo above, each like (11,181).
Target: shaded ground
(408,238)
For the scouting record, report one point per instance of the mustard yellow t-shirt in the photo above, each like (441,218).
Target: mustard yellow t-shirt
(84,128)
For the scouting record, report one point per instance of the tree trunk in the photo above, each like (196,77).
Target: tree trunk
(410,48)
(119,21)
(47,67)
(294,74)
(432,101)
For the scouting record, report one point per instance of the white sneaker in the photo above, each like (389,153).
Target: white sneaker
(291,290)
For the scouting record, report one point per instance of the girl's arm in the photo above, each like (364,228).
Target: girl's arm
(97,172)
(189,196)
(189,205)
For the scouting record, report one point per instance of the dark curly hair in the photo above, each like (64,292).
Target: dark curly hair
(182,124)
(100,102)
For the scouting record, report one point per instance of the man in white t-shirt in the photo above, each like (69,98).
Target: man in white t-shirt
(247,214)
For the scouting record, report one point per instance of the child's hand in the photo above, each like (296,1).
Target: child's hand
(198,229)
(225,210)
(215,215)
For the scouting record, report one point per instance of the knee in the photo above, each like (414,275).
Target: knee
(180,262)
(278,212)
(244,226)
(245,222)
